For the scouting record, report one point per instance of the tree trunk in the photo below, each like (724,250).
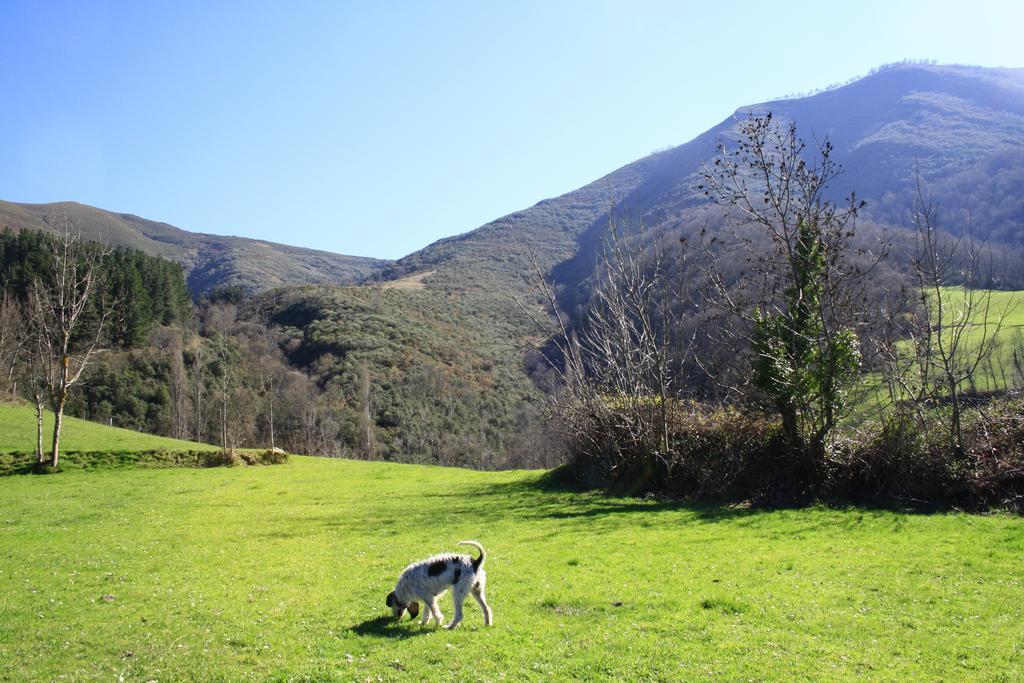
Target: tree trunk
(39,428)
(272,445)
(199,432)
(224,419)
(58,421)
(790,427)
(179,389)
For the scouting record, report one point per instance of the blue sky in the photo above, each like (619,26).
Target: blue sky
(375,128)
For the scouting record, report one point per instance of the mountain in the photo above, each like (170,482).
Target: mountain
(211,261)
(963,127)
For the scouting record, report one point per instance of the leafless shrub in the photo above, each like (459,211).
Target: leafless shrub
(951,331)
(617,368)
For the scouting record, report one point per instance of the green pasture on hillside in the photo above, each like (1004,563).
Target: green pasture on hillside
(1002,319)
(18,435)
(280,573)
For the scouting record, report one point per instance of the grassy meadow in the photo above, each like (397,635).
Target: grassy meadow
(1003,321)
(18,434)
(114,571)
(280,573)
(87,445)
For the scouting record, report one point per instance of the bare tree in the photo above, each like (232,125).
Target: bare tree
(270,387)
(68,318)
(618,368)
(366,412)
(199,372)
(310,419)
(34,378)
(170,340)
(179,386)
(14,336)
(955,327)
(796,294)
(220,320)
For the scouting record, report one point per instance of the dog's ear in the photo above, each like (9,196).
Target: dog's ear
(414,610)
(391,599)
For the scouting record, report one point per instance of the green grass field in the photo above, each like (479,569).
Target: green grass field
(18,434)
(280,573)
(1004,322)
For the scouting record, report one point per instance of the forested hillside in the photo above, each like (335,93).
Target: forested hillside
(210,261)
(372,372)
(147,291)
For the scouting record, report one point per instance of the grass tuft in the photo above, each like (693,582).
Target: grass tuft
(724,605)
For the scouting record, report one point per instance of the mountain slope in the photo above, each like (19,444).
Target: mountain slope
(964,126)
(957,123)
(210,261)
(440,333)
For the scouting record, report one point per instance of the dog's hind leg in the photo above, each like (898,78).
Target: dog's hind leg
(481,599)
(458,596)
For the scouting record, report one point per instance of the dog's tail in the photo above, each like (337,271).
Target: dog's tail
(478,561)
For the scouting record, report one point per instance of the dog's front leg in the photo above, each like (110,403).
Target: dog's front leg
(435,609)
(427,614)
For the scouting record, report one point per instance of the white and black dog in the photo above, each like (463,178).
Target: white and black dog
(428,579)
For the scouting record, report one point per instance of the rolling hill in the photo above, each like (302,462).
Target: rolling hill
(210,261)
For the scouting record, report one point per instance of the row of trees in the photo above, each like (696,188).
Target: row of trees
(78,320)
(350,377)
(61,298)
(148,291)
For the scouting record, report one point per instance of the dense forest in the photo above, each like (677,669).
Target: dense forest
(149,291)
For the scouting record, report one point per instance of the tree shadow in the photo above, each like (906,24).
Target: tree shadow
(386,627)
(519,498)
(569,502)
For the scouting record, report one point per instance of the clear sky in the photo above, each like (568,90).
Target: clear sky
(374,128)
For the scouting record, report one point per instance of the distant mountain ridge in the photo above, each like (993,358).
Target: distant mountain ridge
(962,126)
(210,261)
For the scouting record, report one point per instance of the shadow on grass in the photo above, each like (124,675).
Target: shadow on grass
(386,627)
(553,495)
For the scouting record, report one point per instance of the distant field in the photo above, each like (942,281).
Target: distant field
(1005,322)
(280,573)
(18,435)
(415,281)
